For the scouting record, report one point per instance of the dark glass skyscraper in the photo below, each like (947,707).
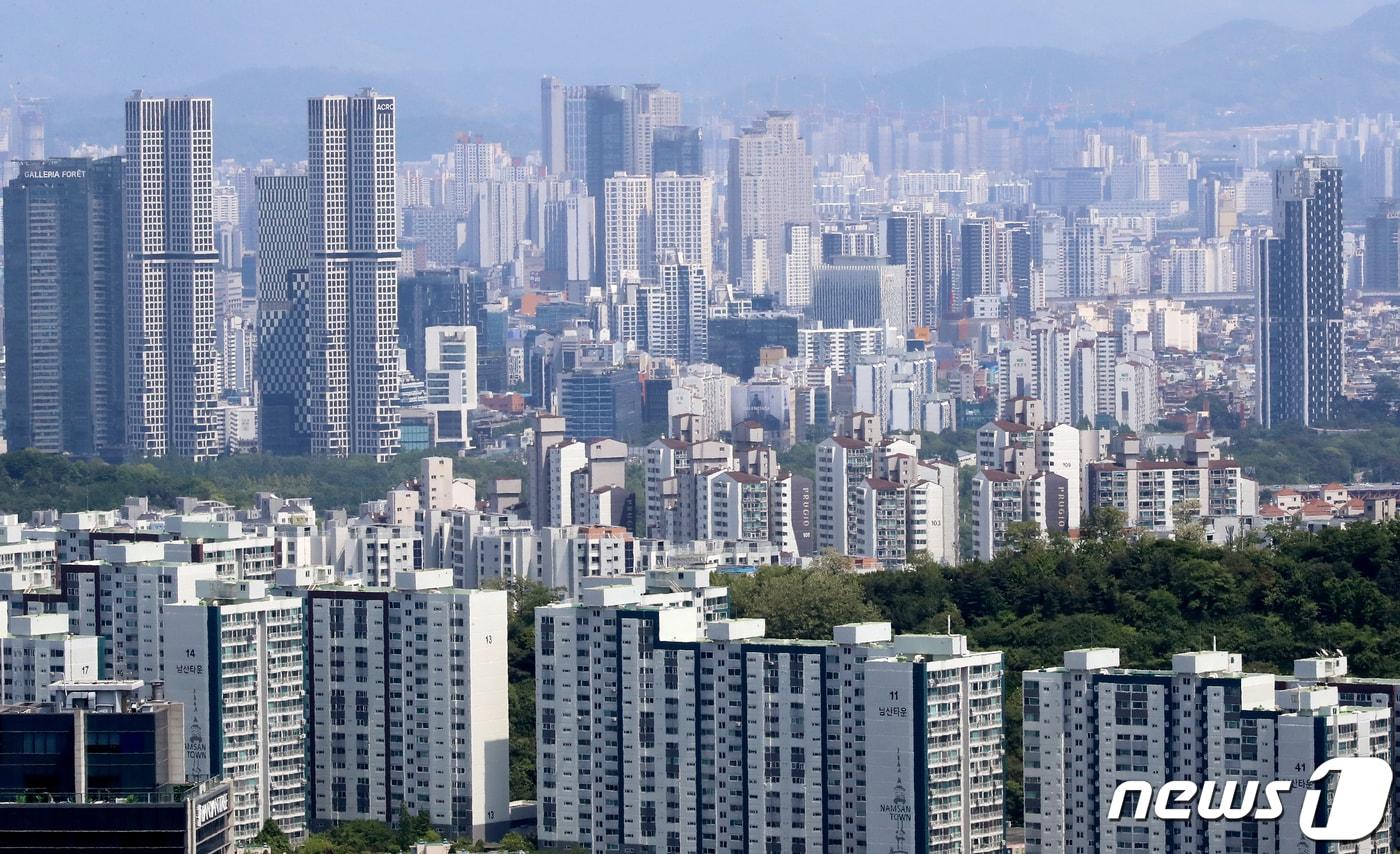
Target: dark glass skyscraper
(63,306)
(679,149)
(1383,249)
(601,402)
(1300,304)
(605,132)
(283,256)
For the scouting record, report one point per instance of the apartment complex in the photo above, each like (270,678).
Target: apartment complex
(661,730)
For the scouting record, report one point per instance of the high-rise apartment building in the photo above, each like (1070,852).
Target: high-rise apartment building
(168,231)
(681,207)
(552,146)
(979,258)
(918,242)
(63,307)
(1086,259)
(802,251)
(1300,303)
(770,187)
(629,230)
(353,381)
(283,258)
(37,650)
(659,730)
(407,704)
(684,325)
(235,658)
(1091,726)
(647,108)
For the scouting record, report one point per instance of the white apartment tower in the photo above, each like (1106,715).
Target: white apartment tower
(629,251)
(235,657)
(659,731)
(799,260)
(647,107)
(770,187)
(843,464)
(933,729)
(1091,726)
(685,313)
(682,207)
(407,704)
(352,319)
(37,650)
(170,261)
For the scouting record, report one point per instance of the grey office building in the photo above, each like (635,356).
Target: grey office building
(63,306)
(1300,304)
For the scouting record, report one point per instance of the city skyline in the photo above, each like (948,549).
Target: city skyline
(922,429)
(785,75)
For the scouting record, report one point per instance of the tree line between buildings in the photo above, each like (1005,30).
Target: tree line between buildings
(1271,601)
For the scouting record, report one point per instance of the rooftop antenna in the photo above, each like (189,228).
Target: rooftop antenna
(1213,647)
(950,624)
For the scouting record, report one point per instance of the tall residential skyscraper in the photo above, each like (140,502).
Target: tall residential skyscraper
(1086,259)
(979,258)
(407,703)
(474,162)
(236,658)
(63,306)
(629,229)
(552,146)
(1092,726)
(903,246)
(648,107)
(770,186)
(803,249)
(685,289)
(283,257)
(1014,263)
(682,207)
(170,259)
(661,731)
(353,382)
(1300,302)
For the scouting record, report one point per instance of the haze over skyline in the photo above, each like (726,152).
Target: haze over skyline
(478,64)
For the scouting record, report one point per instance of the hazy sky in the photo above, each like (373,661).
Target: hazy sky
(90,47)
(466,65)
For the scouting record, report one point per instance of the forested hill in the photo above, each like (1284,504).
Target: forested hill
(1339,588)
(32,480)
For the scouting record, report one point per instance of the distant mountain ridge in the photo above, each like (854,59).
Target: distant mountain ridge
(1242,72)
